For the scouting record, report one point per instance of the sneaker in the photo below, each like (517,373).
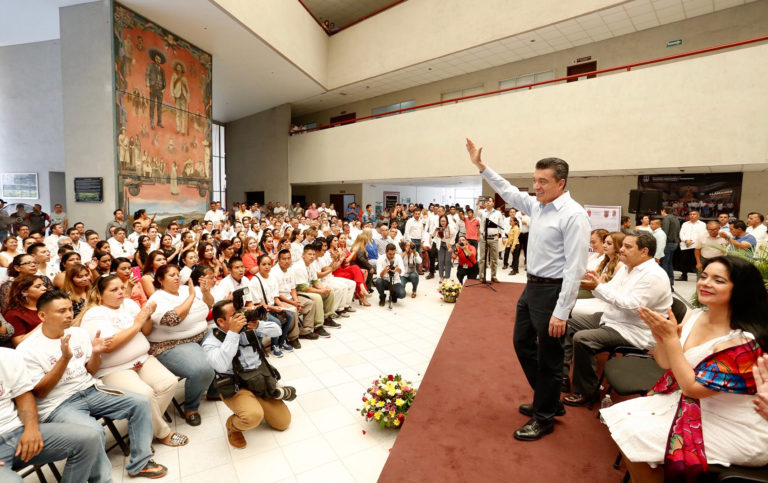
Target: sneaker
(276,351)
(296,344)
(309,336)
(332,324)
(342,314)
(151,470)
(321,332)
(286,347)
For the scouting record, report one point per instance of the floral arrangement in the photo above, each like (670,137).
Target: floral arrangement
(450,290)
(387,401)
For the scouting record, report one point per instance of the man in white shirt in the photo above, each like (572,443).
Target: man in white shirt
(390,267)
(490,215)
(343,288)
(234,281)
(690,231)
(414,229)
(42,258)
(119,246)
(394,237)
(661,239)
(286,284)
(645,284)
(77,242)
(27,442)
(280,210)
(137,232)
(86,250)
(756,228)
(214,214)
(61,361)
(308,285)
(52,240)
(243,211)
(724,219)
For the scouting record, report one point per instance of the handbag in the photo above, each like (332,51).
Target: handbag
(282,316)
(261,381)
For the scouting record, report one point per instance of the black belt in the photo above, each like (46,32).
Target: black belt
(535,279)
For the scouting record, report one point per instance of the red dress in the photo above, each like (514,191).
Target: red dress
(351,272)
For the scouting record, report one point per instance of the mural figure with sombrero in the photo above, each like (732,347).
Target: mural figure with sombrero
(156,83)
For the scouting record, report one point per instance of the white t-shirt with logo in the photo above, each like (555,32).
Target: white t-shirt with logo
(41,354)
(14,381)
(286,281)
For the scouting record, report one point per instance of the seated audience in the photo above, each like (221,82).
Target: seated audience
(21,308)
(251,256)
(126,363)
(703,407)
(8,251)
(119,246)
(266,293)
(28,442)
(282,272)
(309,286)
(68,259)
(338,244)
(645,284)
(123,268)
(102,266)
(178,326)
(389,268)
(326,263)
(22,265)
(152,263)
(230,351)
(144,248)
(77,284)
(361,256)
(61,361)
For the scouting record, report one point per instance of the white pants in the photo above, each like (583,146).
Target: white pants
(343,291)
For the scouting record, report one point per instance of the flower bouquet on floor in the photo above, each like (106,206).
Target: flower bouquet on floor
(387,401)
(450,290)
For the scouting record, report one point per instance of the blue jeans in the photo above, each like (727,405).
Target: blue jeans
(286,327)
(667,263)
(188,362)
(412,277)
(82,407)
(382,285)
(79,445)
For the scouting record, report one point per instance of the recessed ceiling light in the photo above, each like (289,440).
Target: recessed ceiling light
(342,93)
(429,68)
(533,40)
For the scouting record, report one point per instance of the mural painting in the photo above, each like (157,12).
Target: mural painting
(163,97)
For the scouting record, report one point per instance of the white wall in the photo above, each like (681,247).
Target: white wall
(703,112)
(420,30)
(31,138)
(89,134)
(464,193)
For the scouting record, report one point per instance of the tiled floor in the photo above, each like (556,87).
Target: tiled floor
(328,439)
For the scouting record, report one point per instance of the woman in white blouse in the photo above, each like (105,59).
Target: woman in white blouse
(443,237)
(126,363)
(178,327)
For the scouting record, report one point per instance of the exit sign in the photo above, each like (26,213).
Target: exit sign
(674,43)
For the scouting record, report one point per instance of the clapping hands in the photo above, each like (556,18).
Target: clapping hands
(663,329)
(760,371)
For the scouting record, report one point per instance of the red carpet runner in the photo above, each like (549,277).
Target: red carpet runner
(460,427)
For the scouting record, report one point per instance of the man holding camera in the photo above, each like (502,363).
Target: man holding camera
(467,257)
(389,268)
(228,346)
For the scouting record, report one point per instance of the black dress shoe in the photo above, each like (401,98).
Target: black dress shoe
(193,419)
(527,409)
(577,399)
(534,430)
(565,385)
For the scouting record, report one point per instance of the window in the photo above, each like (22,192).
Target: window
(392,107)
(527,79)
(461,93)
(20,186)
(218,155)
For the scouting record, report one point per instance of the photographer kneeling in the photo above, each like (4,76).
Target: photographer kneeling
(247,383)
(467,255)
(389,268)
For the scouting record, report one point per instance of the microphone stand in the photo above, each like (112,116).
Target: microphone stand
(483,280)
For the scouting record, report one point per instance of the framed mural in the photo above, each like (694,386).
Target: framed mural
(710,193)
(163,118)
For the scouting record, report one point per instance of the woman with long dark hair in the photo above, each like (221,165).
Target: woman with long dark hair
(21,265)
(706,395)
(143,250)
(21,310)
(69,259)
(77,284)
(154,260)
(123,268)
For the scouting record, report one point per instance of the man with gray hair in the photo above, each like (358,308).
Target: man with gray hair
(557,260)
(643,284)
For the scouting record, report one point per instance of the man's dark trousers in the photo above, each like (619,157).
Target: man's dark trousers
(540,355)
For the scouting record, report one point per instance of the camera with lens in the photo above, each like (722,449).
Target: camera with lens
(238,300)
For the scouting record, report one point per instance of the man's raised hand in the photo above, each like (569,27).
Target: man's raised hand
(474,155)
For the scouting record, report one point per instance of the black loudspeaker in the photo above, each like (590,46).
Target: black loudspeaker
(651,201)
(645,201)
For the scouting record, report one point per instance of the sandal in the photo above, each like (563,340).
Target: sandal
(175,439)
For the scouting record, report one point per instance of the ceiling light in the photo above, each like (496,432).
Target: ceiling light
(342,93)
(533,40)
(429,68)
